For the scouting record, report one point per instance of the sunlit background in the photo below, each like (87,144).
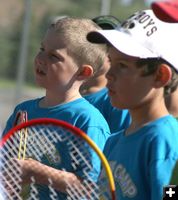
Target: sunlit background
(22,25)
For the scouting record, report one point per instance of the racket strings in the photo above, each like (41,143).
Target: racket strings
(23,142)
(86,191)
(10,170)
(34,194)
(42,141)
(53,194)
(79,154)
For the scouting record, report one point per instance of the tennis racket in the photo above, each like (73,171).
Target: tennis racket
(20,118)
(51,143)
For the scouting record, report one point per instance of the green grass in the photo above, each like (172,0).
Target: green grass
(174,179)
(6,83)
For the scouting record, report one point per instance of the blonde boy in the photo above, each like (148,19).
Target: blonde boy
(65,60)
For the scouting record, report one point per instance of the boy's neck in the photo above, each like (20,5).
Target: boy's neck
(144,115)
(51,100)
(93,85)
(172,103)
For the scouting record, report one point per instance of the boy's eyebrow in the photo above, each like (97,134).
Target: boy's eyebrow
(51,51)
(126,59)
(57,53)
(42,44)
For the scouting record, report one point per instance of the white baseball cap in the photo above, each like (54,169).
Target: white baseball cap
(143,35)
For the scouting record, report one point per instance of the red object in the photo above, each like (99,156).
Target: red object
(166,10)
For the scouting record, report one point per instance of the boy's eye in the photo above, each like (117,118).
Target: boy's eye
(41,49)
(122,65)
(54,56)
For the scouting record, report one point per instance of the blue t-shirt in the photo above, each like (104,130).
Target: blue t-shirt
(117,119)
(79,113)
(142,163)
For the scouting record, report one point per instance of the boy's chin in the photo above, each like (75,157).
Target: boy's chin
(40,84)
(117,105)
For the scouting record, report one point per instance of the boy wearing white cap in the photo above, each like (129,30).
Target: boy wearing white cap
(167,11)
(144,66)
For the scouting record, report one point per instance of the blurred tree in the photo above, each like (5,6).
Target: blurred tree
(9,40)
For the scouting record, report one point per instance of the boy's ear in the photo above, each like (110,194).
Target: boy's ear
(86,71)
(163,75)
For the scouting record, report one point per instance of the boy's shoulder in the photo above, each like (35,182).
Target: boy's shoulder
(162,129)
(89,109)
(85,110)
(164,144)
(82,104)
(84,115)
(165,124)
(103,93)
(115,138)
(164,134)
(27,104)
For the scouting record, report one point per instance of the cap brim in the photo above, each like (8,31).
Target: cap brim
(122,42)
(166,11)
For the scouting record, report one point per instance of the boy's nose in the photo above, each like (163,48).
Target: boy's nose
(40,59)
(109,76)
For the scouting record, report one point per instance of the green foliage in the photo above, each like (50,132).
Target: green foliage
(5,50)
(123,12)
(9,53)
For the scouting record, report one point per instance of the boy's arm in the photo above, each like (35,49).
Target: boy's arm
(43,173)
(160,174)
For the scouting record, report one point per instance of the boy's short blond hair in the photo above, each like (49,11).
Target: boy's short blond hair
(74,32)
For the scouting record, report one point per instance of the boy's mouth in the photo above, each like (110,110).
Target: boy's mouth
(40,72)
(111,92)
